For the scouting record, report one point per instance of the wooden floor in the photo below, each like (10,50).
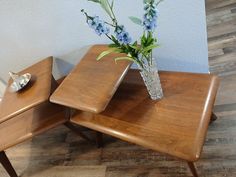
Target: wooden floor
(60,148)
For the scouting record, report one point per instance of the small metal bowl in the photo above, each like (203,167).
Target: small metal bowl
(19,82)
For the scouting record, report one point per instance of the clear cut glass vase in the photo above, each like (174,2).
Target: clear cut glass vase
(150,75)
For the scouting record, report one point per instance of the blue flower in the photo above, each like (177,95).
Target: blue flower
(122,36)
(101,29)
(150,25)
(150,17)
(93,22)
(98,25)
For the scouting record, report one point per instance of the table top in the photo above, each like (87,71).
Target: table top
(176,125)
(36,92)
(91,84)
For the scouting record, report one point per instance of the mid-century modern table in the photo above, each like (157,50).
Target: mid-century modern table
(28,113)
(91,84)
(175,125)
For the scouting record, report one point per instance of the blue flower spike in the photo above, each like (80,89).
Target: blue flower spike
(150,17)
(122,36)
(98,25)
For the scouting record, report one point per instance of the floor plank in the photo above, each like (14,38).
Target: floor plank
(60,148)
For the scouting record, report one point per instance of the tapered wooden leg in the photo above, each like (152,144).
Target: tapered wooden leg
(7,164)
(213,117)
(78,132)
(193,169)
(99,139)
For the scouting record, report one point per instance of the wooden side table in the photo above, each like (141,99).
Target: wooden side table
(176,125)
(28,113)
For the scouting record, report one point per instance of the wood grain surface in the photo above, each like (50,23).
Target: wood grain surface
(91,85)
(176,125)
(36,114)
(36,92)
(30,123)
(123,159)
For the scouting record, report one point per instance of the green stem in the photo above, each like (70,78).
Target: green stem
(113,17)
(151,57)
(140,64)
(86,14)
(109,37)
(159,2)
(110,24)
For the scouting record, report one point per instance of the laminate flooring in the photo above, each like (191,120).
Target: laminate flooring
(61,149)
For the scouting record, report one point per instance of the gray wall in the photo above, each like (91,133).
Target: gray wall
(34,29)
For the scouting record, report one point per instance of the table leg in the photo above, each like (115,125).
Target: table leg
(78,132)
(99,136)
(7,164)
(99,139)
(213,117)
(193,169)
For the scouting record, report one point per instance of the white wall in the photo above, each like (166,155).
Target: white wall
(34,29)
(2,88)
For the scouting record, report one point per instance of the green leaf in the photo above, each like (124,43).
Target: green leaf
(113,45)
(115,40)
(112,4)
(97,1)
(135,43)
(105,6)
(124,58)
(147,49)
(143,40)
(103,54)
(134,47)
(147,1)
(136,20)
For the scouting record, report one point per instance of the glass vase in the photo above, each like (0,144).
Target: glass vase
(150,75)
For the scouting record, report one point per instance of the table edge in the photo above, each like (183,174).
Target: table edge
(195,155)
(30,106)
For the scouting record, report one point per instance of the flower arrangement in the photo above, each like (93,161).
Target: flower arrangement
(138,51)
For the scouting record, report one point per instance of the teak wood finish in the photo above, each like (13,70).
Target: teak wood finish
(91,85)
(193,169)
(30,123)
(7,164)
(29,112)
(219,149)
(176,125)
(34,94)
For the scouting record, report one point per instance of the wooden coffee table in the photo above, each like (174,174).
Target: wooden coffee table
(176,125)
(28,112)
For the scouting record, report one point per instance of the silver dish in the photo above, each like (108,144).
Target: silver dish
(19,81)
